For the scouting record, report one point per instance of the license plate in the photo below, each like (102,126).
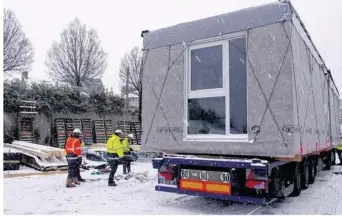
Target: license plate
(166,182)
(206,176)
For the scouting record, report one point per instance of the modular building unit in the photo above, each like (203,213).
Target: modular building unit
(249,82)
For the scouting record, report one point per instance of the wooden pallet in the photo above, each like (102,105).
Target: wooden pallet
(61,132)
(87,131)
(132,127)
(109,129)
(100,132)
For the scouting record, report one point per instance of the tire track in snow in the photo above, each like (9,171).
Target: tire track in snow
(262,206)
(330,196)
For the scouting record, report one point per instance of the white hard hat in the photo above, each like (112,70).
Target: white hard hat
(130,136)
(118,131)
(76,131)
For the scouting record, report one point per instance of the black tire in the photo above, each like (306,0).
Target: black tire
(305,174)
(277,184)
(312,171)
(328,162)
(332,157)
(297,179)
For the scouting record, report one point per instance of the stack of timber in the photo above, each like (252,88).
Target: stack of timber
(43,158)
(11,159)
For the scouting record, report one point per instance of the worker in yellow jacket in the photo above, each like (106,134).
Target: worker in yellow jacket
(339,152)
(126,164)
(114,154)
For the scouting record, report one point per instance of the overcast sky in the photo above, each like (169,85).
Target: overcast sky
(120,22)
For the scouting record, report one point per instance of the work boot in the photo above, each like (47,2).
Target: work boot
(75,180)
(124,169)
(81,179)
(69,183)
(111,182)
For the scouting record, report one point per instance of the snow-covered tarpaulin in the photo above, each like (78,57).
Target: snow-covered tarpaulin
(250,82)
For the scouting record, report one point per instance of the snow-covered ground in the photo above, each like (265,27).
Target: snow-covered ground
(22,170)
(48,195)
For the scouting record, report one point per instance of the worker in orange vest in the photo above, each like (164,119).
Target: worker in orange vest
(73,151)
(79,163)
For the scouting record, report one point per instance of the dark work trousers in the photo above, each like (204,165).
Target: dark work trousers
(72,160)
(126,163)
(79,163)
(339,153)
(113,160)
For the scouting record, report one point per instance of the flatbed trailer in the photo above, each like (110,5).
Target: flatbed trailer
(251,180)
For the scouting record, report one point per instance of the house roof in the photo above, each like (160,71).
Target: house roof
(92,85)
(218,25)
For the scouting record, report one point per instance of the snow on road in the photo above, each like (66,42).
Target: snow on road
(48,195)
(22,169)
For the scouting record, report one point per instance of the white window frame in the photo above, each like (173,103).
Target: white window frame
(217,92)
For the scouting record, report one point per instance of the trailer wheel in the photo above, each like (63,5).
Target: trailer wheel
(332,157)
(319,164)
(305,174)
(297,181)
(277,184)
(328,161)
(312,170)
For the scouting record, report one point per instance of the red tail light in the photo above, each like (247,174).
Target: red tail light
(166,172)
(255,184)
(165,175)
(249,174)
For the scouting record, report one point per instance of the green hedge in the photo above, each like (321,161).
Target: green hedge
(59,99)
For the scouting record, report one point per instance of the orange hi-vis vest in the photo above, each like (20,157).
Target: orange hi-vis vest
(73,146)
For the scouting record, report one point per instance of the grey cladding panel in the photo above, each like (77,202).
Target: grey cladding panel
(270,141)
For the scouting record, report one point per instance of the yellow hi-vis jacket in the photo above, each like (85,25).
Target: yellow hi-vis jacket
(340,146)
(125,144)
(114,145)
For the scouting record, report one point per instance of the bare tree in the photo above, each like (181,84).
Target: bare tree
(18,51)
(78,57)
(130,73)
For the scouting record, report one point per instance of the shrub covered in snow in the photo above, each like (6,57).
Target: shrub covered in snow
(62,99)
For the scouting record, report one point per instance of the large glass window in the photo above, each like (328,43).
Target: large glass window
(217,90)
(206,68)
(238,86)
(207,115)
